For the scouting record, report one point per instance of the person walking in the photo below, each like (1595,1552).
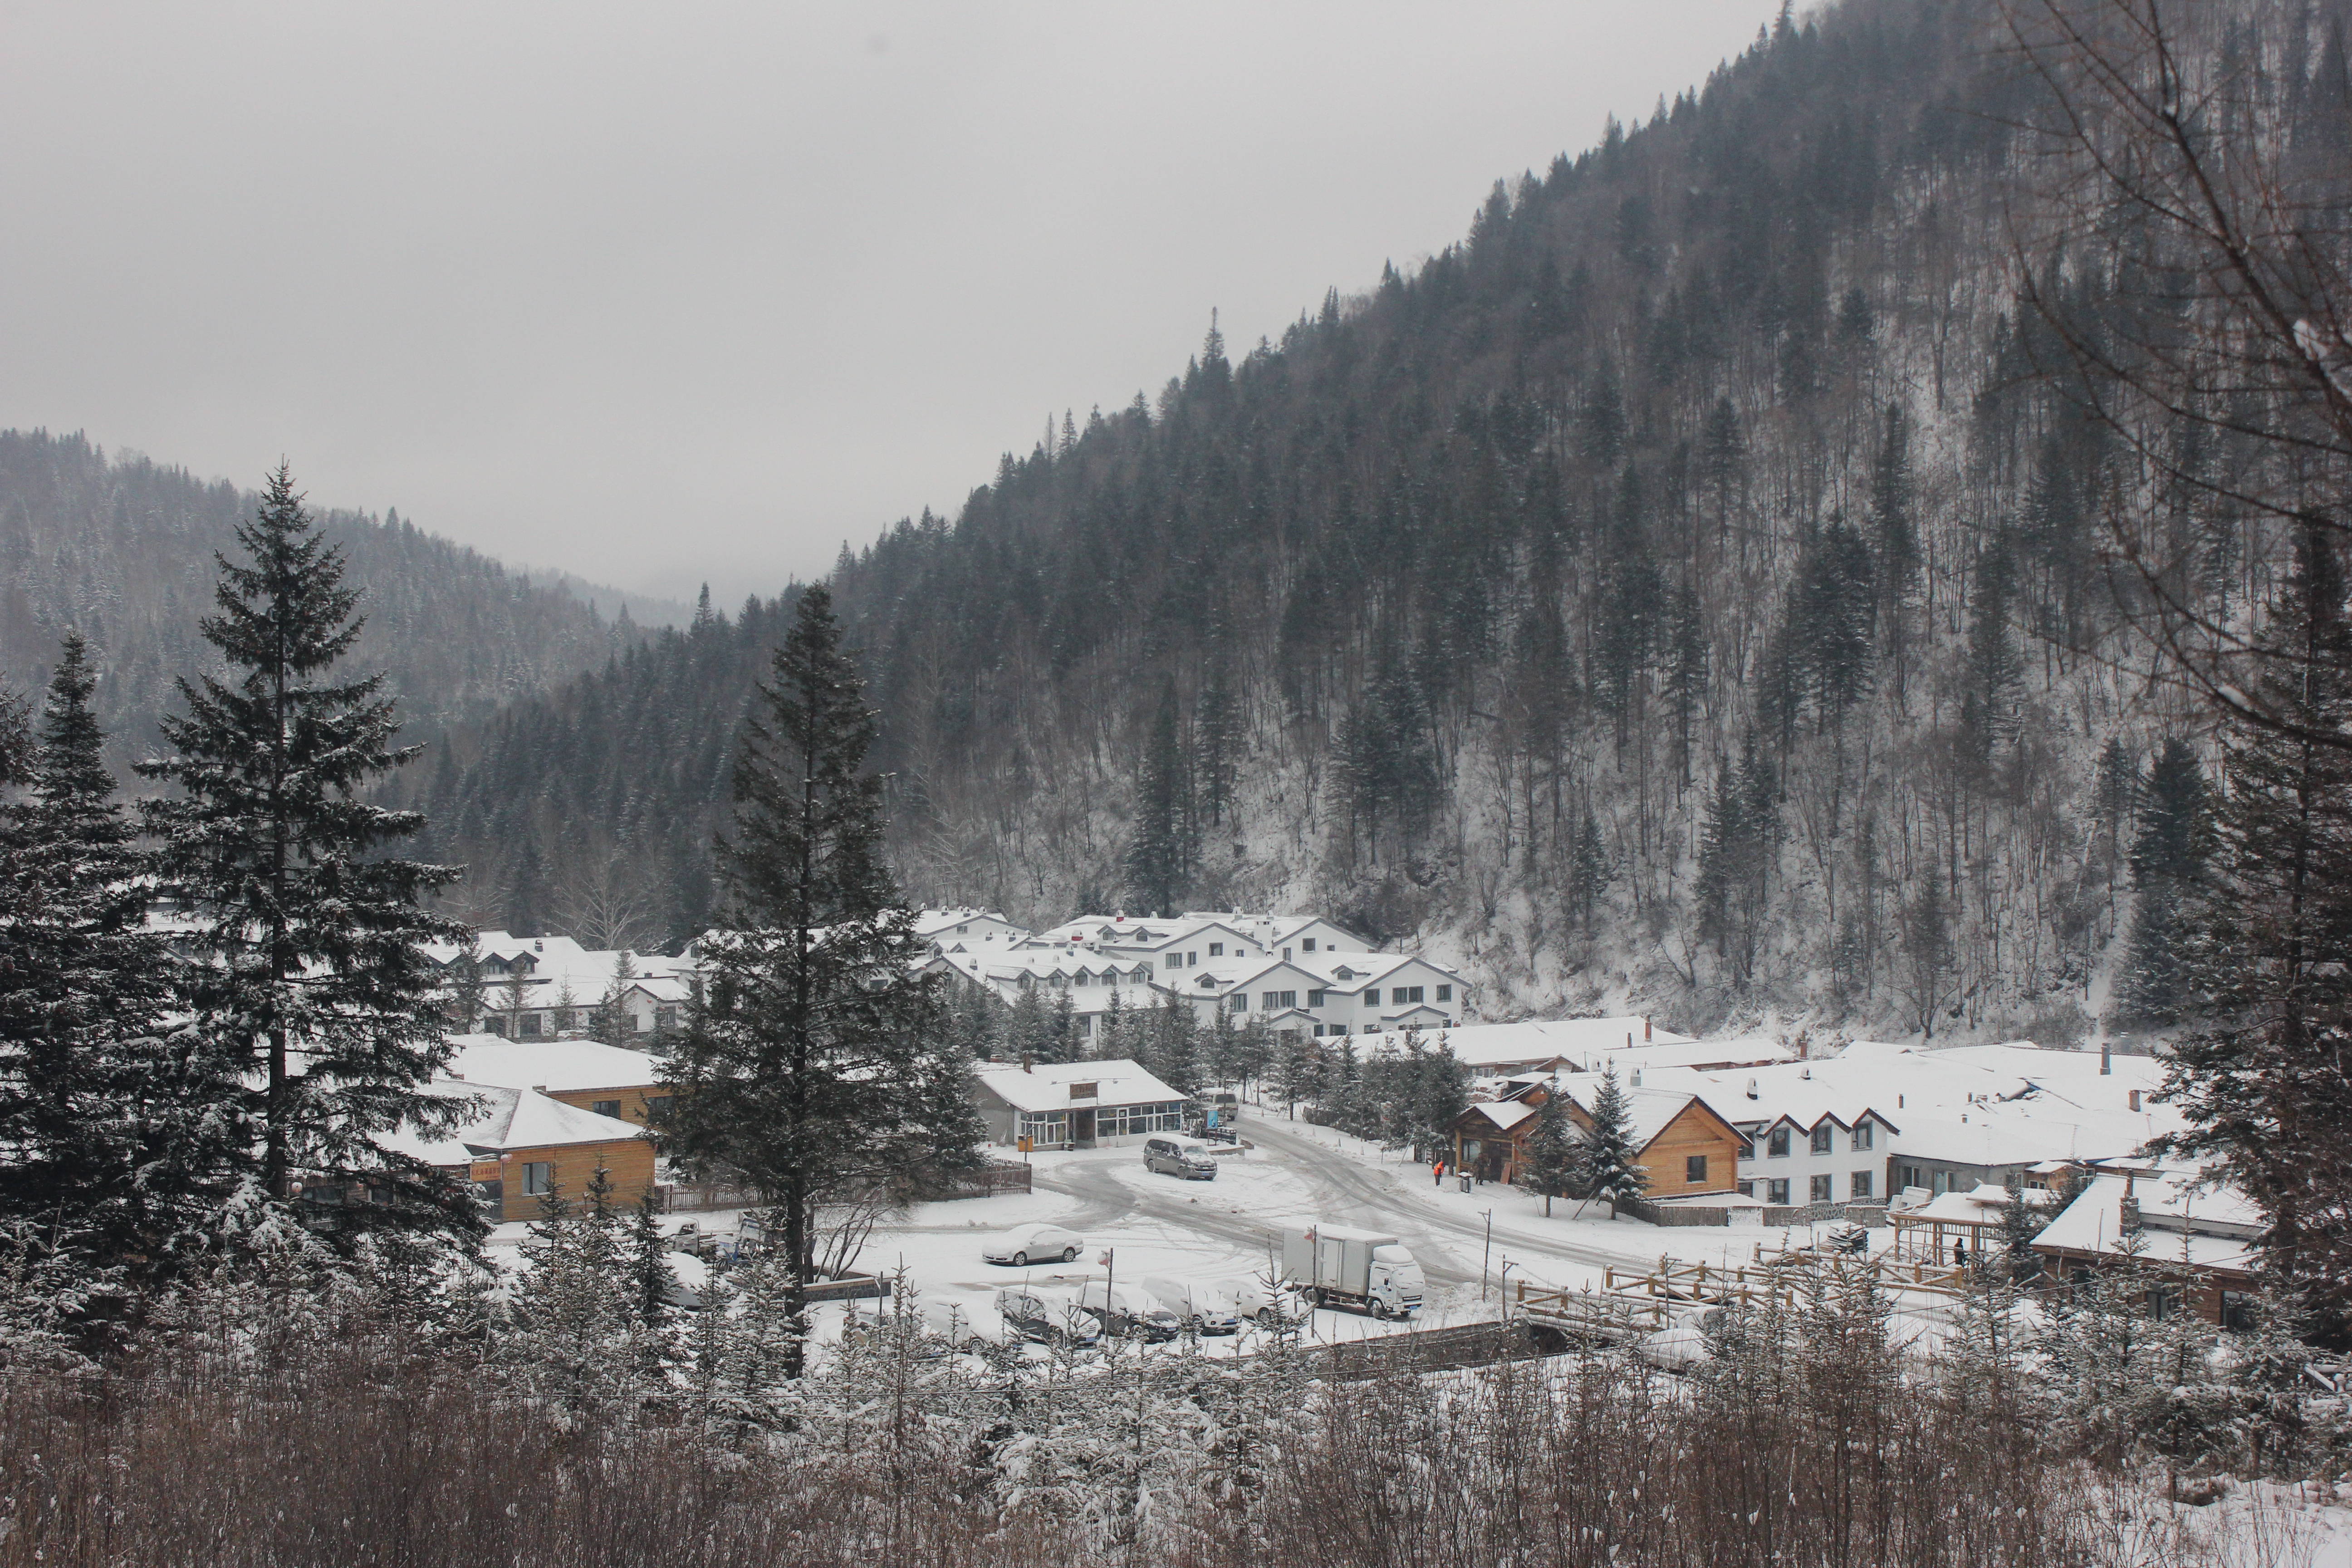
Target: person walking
(1437,1173)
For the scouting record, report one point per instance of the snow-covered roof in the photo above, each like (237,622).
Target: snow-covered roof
(1586,1044)
(1986,1105)
(932,923)
(2182,1219)
(1504,1114)
(507,1119)
(560,1065)
(1648,1111)
(1045,1086)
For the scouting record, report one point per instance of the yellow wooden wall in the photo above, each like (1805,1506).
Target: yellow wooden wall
(628,1163)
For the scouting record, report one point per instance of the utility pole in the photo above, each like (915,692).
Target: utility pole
(1487,1256)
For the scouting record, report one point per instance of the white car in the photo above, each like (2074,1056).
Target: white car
(1027,1244)
(1206,1308)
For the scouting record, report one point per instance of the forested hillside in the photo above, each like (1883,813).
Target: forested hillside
(122,549)
(1684,592)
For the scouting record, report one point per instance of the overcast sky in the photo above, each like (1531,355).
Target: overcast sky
(658,293)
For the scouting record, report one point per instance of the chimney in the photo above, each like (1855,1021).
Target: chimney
(2106,1060)
(1645,1029)
(1024,1061)
(2134,1099)
(2127,1211)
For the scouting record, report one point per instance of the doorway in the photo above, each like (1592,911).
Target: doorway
(1081,1128)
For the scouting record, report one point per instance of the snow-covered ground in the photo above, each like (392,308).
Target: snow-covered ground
(1471,1245)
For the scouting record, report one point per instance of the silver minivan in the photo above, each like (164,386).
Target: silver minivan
(1180,1157)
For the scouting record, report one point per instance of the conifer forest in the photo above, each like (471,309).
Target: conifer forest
(1854,567)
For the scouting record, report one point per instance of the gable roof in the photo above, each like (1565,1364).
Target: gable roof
(560,1065)
(1045,1086)
(505,1119)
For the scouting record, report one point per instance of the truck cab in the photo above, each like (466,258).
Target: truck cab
(1396,1285)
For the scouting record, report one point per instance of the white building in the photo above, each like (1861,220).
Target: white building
(967,930)
(549,988)
(1075,1105)
(1291,972)
(1926,1122)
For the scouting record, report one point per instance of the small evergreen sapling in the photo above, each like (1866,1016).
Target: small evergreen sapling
(1608,1168)
(1552,1158)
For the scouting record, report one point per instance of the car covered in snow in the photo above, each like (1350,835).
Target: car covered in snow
(1027,1244)
(1204,1309)
(1129,1311)
(1045,1315)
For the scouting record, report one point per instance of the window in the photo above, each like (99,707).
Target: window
(1746,1189)
(1445,994)
(1403,994)
(1173,960)
(1286,956)
(1192,959)
(1338,1029)
(1315,998)
(1319,1031)
(1308,945)
(1216,950)
(1084,1090)
(1085,1023)
(1776,1143)
(605,1107)
(1240,1001)
(666,1018)
(531,1025)
(1695,1169)
(2237,1311)
(495,1026)
(1272,1000)
(1820,1192)
(1910,1176)
(1865,1135)
(1777,1192)
(1371,996)
(657,1107)
(1821,1136)
(1858,1185)
(1746,1149)
(538,1178)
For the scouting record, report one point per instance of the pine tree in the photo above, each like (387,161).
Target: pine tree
(1217,740)
(1995,672)
(1160,855)
(1589,870)
(612,1023)
(2267,1090)
(2169,853)
(1552,1160)
(1606,1169)
(309,976)
(1895,538)
(103,1134)
(794,1069)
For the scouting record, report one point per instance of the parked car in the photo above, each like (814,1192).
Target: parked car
(1027,1244)
(1204,1309)
(1180,1157)
(964,1326)
(1266,1307)
(1127,1311)
(1043,1315)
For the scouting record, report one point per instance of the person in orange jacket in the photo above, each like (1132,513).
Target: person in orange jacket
(1437,1173)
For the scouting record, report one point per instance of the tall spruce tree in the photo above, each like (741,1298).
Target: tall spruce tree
(797,1068)
(2170,849)
(102,1136)
(317,1009)
(2268,1089)
(1160,855)
(1606,1169)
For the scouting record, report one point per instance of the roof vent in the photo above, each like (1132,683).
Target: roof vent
(1807,1074)
(537,946)
(1754,1091)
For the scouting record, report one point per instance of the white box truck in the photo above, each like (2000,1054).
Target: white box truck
(1335,1265)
